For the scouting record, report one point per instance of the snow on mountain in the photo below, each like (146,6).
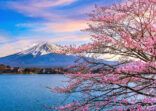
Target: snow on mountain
(41,49)
(44,55)
(40,55)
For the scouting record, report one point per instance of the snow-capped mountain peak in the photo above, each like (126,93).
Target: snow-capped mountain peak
(42,55)
(42,48)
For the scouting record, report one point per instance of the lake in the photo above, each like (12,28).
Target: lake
(30,92)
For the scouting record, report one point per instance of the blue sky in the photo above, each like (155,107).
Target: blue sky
(24,22)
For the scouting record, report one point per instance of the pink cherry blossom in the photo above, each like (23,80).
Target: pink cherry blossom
(128,30)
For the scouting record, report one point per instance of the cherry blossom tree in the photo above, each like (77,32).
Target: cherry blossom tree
(127,30)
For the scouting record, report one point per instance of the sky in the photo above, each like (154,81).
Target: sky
(27,22)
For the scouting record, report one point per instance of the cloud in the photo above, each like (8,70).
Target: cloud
(39,8)
(62,27)
(71,39)
(54,20)
(13,47)
(17,45)
(48,3)
(3,38)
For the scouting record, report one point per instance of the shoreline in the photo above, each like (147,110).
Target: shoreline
(4,69)
(31,74)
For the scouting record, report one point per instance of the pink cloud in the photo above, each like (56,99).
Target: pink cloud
(71,38)
(13,47)
(63,27)
(39,8)
(47,3)
(2,38)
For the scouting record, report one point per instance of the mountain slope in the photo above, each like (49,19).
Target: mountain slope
(41,55)
(41,49)
(44,55)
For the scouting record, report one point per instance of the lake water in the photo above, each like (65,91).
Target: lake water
(30,92)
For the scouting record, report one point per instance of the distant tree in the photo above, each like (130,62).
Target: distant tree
(127,30)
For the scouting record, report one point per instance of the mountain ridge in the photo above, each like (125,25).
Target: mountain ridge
(45,55)
(41,49)
(40,55)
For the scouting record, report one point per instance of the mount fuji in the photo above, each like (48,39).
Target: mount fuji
(41,55)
